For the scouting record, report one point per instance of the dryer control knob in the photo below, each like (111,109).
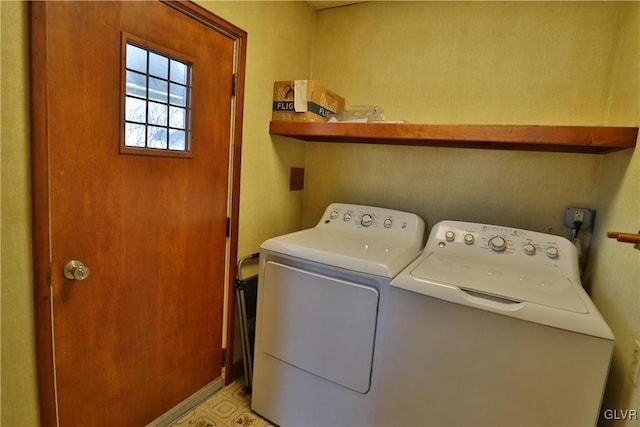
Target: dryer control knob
(497,244)
(552,252)
(469,239)
(529,249)
(366,220)
(388,223)
(450,236)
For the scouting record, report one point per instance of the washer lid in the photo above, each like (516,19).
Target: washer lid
(563,304)
(530,276)
(497,280)
(354,251)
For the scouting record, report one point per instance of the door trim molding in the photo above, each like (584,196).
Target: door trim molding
(39,102)
(40,211)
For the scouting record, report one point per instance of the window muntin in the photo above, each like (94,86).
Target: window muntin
(156,101)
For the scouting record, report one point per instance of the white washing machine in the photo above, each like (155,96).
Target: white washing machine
(490,326)
(319,296)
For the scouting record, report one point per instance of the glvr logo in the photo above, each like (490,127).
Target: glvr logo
(620,414)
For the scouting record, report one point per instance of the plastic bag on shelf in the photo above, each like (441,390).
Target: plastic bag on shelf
(361,114)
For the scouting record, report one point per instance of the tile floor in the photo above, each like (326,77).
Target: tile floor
(229,407)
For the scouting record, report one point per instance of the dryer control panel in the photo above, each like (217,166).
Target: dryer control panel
(372,221)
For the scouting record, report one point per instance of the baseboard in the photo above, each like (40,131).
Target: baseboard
(186,405)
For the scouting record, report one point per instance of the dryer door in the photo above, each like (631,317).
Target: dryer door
(320,324)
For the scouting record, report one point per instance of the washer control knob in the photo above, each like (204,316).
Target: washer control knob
(366,220)
(553,252)
(529,249)
(388,223)
(333,215)
(347,216)
(469,239)
(450,236)
(497,244)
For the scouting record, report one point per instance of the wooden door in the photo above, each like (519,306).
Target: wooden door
(144,330)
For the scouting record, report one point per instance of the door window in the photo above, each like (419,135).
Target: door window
(156,101)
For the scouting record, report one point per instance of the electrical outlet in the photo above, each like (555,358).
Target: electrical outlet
(635,363)
(579,216)
(583,215)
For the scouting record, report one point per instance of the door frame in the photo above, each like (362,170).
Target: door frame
(43,314)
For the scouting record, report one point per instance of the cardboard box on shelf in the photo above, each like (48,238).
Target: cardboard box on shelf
(304,100)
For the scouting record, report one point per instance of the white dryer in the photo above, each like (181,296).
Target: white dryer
(319,296)
(490,326)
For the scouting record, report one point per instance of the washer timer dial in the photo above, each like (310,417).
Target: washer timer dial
(552,252)
(497,244)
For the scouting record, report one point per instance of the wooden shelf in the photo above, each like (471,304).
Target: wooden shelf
(572,139)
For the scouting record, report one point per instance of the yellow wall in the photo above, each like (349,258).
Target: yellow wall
(484,62)
(18,381)
(614,273)
(475,62)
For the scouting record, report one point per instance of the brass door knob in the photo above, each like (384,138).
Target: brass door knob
(76,270)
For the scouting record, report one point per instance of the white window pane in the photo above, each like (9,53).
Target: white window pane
(158,114)
(177,117)
(158,89)
(134,135)
(136,58)
(178,95)
(157,137)
(158,65)
(136,84)
(177,140)
(135,110)
(178,72)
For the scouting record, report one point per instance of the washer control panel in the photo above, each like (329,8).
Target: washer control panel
(498,239)
(505,245)
(372,221)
